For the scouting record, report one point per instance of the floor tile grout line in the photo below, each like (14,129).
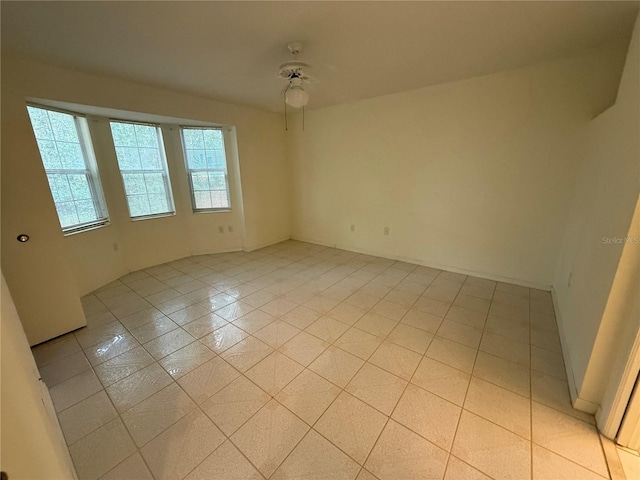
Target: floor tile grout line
(226,438)
(422,388)
(464,400)
(138,449)
(198,406)
(572,461)
(531,469)
(118,417)
(343,389)
(272,397)
(310,427)
(173,379)
(157,361)
(389,417)
(604,455)
(397,322)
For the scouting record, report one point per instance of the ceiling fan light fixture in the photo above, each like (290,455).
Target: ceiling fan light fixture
(294,71)
(296,96)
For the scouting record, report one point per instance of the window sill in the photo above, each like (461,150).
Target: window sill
(213,210)
(88,228)
(151,217)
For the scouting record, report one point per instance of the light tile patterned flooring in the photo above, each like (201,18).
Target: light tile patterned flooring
(630,461)
(301,361)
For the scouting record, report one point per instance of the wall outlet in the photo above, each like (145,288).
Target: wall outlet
(386,230)
(569,279)
(116,247)
(353,228)
(220,229)
(229,228)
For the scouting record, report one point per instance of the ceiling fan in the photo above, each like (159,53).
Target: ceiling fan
(295,72)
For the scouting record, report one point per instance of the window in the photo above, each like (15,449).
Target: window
(66,152)
(144,168)
(207,168)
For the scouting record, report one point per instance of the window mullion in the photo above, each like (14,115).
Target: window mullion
(165,173)
(87,173)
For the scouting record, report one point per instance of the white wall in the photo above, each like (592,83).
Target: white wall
(32,444)
(470,176)
(47,274)
(603,204)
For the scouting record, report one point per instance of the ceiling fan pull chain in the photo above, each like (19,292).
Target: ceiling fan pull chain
(284,98)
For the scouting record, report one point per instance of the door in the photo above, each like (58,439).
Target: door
(629,434)
(32,442)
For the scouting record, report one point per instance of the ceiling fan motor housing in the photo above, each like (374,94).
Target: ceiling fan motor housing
(294,69)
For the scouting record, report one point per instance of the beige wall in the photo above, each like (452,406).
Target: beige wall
(47,274)
(473,176)
(32,444)
(470,176)
(591,312)
(39,274)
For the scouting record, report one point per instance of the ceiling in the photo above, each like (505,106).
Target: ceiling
(231,50)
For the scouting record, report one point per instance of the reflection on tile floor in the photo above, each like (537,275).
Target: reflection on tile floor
(301,361)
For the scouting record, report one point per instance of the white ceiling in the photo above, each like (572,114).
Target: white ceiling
(231,50)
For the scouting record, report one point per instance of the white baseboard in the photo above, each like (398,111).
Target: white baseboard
(585,406)
(448,268)
(215,251)
(251,248)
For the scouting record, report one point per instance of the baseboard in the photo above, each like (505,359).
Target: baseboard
(251,248)
(213,252)
(423,263)
(577,402)
(125,271)
(88,288)
(586,406)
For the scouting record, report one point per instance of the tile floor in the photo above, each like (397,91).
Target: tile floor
(630,461)
(301,361)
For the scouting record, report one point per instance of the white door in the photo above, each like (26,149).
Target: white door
(629,434)
(32,442)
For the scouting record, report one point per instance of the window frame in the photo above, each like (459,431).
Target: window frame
(189,170)
(90,172)
(165,171)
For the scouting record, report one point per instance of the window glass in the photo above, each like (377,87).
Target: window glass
(207,168)
(143,168)
(67,156)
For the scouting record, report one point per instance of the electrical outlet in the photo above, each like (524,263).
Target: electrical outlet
(386,230)
(229,228)
(116,247)
(220,229)
(353,228)
(569,279)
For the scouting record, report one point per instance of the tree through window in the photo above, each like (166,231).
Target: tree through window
(67,155)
